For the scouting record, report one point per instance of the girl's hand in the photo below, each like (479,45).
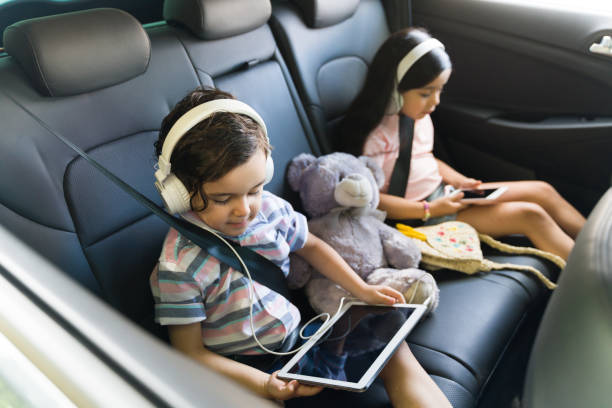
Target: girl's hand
(447,205)
(281,390)
(467,182)
(379,294)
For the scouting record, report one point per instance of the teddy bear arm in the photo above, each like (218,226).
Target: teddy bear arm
(300,272)
(400,251)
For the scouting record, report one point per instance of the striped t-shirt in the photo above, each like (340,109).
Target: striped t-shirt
(191,286)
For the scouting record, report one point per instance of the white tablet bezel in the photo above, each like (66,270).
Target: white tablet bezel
(370,375)
(484,200)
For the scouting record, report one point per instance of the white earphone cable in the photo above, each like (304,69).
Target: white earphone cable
(327,318)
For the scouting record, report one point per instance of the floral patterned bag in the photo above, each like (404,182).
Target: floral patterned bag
(456,245)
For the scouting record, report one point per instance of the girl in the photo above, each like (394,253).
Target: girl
(413,82)
(222,163)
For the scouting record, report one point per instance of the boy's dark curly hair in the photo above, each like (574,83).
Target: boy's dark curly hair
(213,147)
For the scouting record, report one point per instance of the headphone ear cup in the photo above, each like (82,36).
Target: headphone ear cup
(399,100)
(395,104)
(269,169)
(174,194)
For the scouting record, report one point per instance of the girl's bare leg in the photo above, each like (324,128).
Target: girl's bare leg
(545,195)
(408,384)
(519,217)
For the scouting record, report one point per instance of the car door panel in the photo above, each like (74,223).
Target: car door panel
(569,152)
(527,97)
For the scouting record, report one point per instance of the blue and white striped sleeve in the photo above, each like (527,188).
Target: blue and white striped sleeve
(294,225)
(177,295)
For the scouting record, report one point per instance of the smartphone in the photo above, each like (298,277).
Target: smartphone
(482,195)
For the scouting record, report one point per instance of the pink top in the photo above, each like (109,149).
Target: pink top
(383,146)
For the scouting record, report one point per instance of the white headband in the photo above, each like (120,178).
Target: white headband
(414,55)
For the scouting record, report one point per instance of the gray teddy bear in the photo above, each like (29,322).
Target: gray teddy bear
(339,192)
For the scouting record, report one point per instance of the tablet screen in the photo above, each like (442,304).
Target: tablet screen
(349,348)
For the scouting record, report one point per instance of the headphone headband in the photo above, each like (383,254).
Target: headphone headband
(173,192)
(194,116)
(415,54)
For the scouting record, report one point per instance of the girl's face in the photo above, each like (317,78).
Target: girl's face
(420,102)
(235,199)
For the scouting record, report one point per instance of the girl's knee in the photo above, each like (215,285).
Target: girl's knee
(531,214)
(543,190)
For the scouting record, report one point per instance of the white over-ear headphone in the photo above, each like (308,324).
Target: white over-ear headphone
(406,63)
(172,190)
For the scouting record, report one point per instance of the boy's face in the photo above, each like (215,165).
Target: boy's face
(420,102)
(235,199)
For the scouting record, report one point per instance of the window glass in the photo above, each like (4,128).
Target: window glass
(22,385)
(583,5)
(8,398)
(11,11)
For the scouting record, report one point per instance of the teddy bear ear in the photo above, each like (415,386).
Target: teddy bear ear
(296,169)
(376,170)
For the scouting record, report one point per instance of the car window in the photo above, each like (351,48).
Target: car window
(18,377)
(11,11)
(592,5)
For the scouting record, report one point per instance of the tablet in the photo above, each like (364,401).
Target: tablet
(482,195)
(350,354)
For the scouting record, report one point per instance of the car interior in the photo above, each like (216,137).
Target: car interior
(528,105)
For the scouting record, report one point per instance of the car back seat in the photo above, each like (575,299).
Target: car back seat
(242,58)
(328,46)
(97,78)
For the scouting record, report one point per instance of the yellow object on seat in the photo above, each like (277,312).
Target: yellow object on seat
(456,245)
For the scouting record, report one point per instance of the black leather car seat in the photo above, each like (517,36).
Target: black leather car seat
(98,79)
(101,81)
(231,46)
(328,46)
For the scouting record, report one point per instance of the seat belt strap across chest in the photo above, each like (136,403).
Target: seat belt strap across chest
(401,170)
(262,269)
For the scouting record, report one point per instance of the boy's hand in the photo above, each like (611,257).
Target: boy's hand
(379,294)
(282,390)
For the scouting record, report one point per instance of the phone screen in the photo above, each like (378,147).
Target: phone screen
(467,194)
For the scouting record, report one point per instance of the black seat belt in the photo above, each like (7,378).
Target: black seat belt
(262,269)
(401,170)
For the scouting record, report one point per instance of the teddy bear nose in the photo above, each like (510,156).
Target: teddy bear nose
(353,191)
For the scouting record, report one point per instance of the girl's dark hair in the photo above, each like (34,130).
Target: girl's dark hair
(370,106)
(213,147)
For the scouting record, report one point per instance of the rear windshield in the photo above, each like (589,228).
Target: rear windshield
(11,11)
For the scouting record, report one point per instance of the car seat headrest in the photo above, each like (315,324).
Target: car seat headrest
(74,53)
(215,19)
(324,13)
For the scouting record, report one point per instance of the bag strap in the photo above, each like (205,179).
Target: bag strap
(401,170)
(262,269)
(556,259)
(501,246)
